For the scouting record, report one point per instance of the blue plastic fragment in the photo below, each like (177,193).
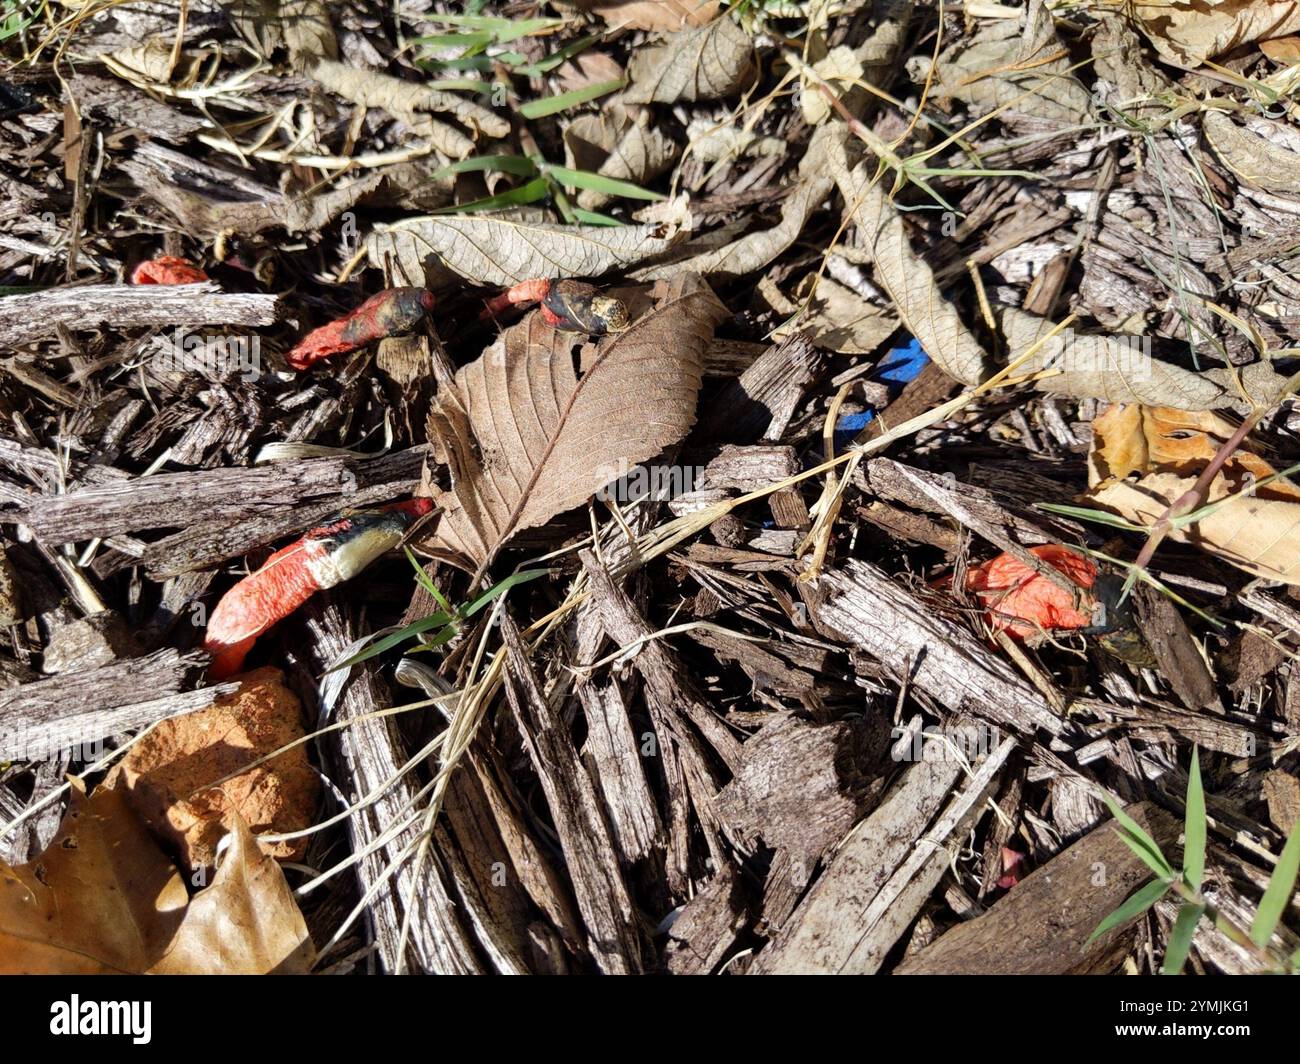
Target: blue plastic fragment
(900,366)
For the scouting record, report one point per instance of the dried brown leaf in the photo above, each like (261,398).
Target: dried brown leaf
(525,438)
(653,14)
(707,63)
(998,66)
(1259,533)
(1191,31)
(906,276)
(102,898)
(498,251)
(413,102)
(1252,157)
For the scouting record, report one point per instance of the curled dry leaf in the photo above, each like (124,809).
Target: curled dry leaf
(1114,368)
(525,438)
(988,71)
(413,102)
(435,249)
(1253,158)
(103,899)
(755,250)
(653,14)
(1191,31)
(906,276)
(1257,529)
(707,63)
(302,26)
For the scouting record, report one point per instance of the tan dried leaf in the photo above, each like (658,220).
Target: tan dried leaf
(906,276)
(707,63)
(413,102)
(497,251)
(102,898)
(245,923)
(1258,533)
(653,14)
(1030,74)
(525,438)
(1114,368)
(1131,438)
(1253,158)
(1191,31)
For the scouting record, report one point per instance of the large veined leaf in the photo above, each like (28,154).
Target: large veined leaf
(710,62)
(525,437)
(499,252)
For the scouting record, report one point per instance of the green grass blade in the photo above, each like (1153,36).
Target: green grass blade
(1097,517)
(424,624)
(1194,826)
(545,66)
(421,577)
(531,192)
(599,183)
(455,40)
(1180,938)
(549,105)
(513,580)
(1136,904)
(519,165)
(594,217)
(466,62)
(1281,885)
(1140,842)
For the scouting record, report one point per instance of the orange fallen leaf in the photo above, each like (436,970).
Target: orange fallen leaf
(1255,528)
(103,899)
(1022,602)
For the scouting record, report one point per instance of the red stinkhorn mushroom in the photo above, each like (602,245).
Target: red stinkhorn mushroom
(324,557)
(390,313)
(167,269)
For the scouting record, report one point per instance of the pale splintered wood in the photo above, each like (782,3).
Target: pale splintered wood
(24,319)
(78,708)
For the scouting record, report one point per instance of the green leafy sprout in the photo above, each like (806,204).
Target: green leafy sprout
(1187,883)
(445,623)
